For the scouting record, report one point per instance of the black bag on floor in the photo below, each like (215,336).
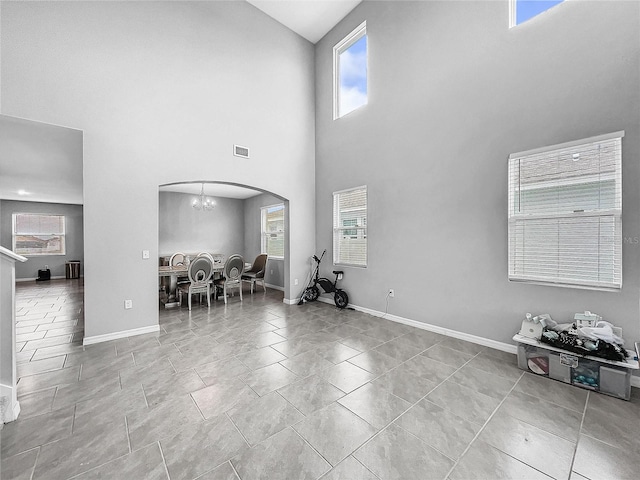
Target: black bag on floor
(43,275)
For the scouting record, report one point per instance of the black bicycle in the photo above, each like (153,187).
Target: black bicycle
(312,292)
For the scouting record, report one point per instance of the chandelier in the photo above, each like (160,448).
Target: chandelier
(203,202)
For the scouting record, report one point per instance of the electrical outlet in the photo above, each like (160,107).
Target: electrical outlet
(295,282)
(46,267)
(145,254)
(128,304)
(391,293)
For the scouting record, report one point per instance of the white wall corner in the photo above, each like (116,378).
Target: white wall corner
(9,409)
(122,334)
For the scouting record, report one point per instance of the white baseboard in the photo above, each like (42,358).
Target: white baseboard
(117,335)
(486,342)
(290,301)
(9,408)
(57,277)
(274,287)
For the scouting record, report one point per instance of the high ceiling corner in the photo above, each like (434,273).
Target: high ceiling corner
(311,19)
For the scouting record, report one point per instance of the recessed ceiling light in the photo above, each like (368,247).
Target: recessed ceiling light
(23,192)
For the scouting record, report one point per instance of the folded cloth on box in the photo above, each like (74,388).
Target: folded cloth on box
(596,348)
(602,331)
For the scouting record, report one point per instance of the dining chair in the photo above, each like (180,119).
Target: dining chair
(176,260)
(256,272)
(199,272)
(232,276)
(208,255)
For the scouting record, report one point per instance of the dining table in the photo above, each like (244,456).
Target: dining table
(175,271)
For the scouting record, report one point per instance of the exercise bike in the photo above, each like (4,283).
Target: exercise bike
(312,292)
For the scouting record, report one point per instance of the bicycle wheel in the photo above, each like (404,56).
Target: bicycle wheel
(311,294)
(341,299)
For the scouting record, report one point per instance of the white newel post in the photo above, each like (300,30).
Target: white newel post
(9,406)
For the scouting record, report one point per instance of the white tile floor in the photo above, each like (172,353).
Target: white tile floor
(261,390)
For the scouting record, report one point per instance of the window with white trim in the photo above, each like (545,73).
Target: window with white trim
(350,227)
(350,72)
(565,214)
(38,234)
(272,230)
(522,10)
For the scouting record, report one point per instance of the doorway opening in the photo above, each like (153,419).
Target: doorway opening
(223,219)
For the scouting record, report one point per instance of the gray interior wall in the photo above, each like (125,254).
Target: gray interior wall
(74,236)
(162,92)
(185,229)
(252,241)
(452,92)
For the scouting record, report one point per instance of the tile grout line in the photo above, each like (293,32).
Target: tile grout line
(226,414)
(314,449)
(584,414)
(412,405)
(33,469)
(495,411)
(234,469)
(126,427)
(164,461)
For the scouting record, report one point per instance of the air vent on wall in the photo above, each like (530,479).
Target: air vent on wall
(239,151)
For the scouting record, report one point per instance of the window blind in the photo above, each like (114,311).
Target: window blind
(350,227)
(565,214)
(273,230)
(38,234)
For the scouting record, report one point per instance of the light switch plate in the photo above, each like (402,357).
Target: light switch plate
(145,253)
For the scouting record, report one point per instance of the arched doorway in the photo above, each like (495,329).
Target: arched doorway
(235,218)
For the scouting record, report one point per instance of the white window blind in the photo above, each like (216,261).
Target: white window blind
(565,214)
(273,230)
(38,234)
(350,227)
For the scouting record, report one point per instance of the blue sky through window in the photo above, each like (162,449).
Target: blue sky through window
(353,77)
(527,9)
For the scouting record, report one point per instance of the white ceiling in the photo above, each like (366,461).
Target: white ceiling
(40,162)
(311,19)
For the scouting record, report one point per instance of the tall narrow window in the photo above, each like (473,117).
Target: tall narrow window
(273,230)
(35,234)
(523,10)
(350,72)
(350,227)
(565,214)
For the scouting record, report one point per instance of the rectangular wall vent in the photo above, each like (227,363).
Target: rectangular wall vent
(239,151)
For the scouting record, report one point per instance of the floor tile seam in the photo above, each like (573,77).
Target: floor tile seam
(164,461)
(411,405)
(226,414)
(33,468)
(304,417)
(363,465)
(126,427)
(453,379)
(549,401)
(584,414)
(233,468)
(477,435)
(312,448)
(204,419)
(42,445)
